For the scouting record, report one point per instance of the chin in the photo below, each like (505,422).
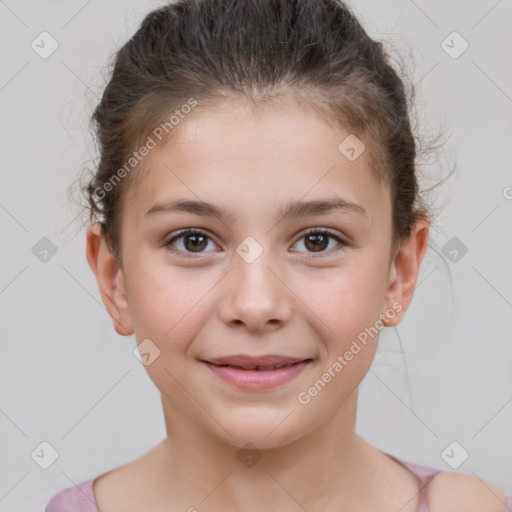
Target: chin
(265,429)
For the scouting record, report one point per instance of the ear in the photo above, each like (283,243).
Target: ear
(403,272)
(110,278)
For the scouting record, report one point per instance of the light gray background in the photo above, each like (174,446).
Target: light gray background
(68,379)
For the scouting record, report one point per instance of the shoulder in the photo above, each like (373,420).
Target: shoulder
(80,497)
(111,490)
(451,492)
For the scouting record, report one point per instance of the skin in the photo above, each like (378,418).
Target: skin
(215,304)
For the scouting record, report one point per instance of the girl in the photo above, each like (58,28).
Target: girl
(258,222)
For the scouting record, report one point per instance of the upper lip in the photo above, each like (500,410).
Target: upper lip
(246,361)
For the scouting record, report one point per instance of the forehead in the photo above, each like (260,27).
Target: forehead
(253,160)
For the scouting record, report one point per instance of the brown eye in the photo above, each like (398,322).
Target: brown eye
(318,240)
(194,243)
(189,241)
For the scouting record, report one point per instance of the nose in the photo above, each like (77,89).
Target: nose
(256,295)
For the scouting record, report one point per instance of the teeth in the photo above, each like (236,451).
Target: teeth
(259,368)
(268,368)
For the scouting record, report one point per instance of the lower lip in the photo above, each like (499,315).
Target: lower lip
(257,379)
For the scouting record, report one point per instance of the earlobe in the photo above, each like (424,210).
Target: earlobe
(404,271)
(110,279)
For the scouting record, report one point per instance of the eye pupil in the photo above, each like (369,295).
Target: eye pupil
(319,242)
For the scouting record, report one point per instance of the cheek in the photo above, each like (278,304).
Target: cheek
(165,302)
(346,301)
(347,305)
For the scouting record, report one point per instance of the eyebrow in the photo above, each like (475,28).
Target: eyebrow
(293,210)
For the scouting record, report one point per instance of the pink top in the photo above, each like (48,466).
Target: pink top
(81,497)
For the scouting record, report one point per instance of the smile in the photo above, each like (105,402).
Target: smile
(256,377)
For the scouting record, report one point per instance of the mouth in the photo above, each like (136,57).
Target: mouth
(257,373)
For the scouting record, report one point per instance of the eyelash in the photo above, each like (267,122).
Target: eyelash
(310,231)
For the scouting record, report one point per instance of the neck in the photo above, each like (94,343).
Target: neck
(315,471)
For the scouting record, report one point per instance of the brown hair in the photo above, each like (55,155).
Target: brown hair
(211,51)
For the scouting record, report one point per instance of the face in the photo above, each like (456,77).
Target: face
(310,287)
